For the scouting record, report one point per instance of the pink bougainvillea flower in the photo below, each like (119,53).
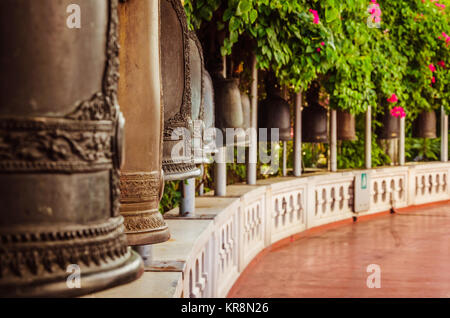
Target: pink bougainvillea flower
(318,49)
(441,64)
(322,43)
(316,16)
(398,112)
(432,68)
(433,80)
(393,99)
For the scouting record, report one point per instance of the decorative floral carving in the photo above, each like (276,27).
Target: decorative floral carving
(36,252)
(140,187)
(52,144)
(144,222)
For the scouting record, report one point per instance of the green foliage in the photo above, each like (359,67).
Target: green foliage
(414,27)
(171,197)
(422,149)
(359,65)
(351,153)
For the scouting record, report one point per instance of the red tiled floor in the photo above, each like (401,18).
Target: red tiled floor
(412,249)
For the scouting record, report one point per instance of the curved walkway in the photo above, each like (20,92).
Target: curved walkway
(411,248)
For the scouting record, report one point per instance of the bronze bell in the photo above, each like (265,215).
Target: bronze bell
(196,69)
(229,114)
(345,126)
(274,113)
(61,136)
(390,128)
(141,179)
(314,117)
(197,87)
(425,125)
(178,159)
(227,98)
(209,141)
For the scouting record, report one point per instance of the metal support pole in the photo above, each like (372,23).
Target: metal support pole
(444,135)
(187,205)
(253,147)
(333,144)
(146,252)
(220,166)
(401,152)
(368,138)
(284,158)
(298,136)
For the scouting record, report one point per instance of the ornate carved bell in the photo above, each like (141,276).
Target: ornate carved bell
(345,126)
(178,158)
(141,179)
(390,128)
(274,113)
(60,151)
(425,125)
(314,117)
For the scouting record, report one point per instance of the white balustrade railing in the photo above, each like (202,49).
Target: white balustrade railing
(333,199)
(226,241)
(275,209)
(388,189)
(286,210)
(431,184)
(252,226)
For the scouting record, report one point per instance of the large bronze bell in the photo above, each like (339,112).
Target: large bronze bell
(141,179)
(197,87)
(274,113)
(345,126)
(228,103)
(196,81)
(178,159)
(61,147)
(229,113)
(425,125)
(314,117)
(390,128)
(209,138)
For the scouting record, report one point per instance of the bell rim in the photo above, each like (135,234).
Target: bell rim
(131,269)
(154,236)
